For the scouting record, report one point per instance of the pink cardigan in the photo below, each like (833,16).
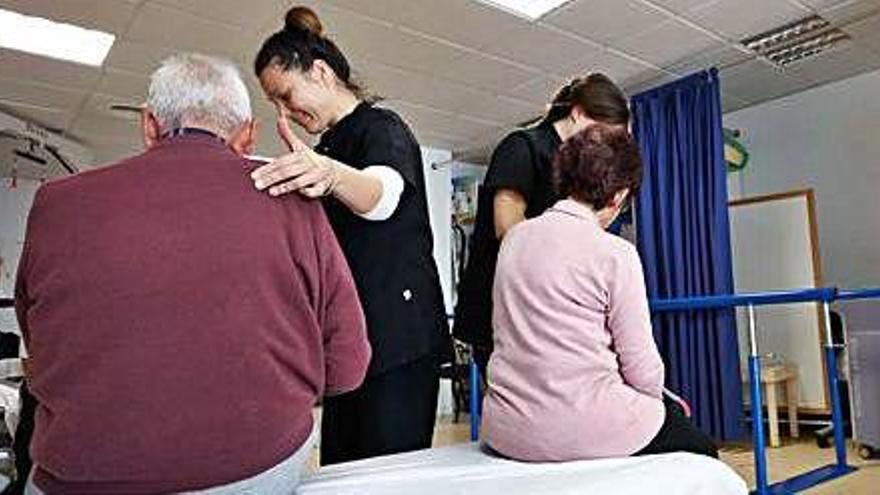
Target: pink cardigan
(575,373)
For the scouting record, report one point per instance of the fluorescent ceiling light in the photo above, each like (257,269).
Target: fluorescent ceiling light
(53,39)
(530,9)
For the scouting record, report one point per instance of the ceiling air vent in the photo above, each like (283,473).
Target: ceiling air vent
(796,41)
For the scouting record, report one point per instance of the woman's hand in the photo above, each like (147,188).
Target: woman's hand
(302,170)
(314,175)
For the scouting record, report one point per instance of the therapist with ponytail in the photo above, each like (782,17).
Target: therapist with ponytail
(367,170)
(518,186)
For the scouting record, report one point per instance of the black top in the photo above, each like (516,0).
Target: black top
(392,261)
(523,162)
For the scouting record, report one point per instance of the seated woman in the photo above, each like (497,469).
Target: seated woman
(576,373)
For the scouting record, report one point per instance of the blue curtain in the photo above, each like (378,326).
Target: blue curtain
(684,239)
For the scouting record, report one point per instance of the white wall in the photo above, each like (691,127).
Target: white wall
(14,206)
(438,182)
(827,138)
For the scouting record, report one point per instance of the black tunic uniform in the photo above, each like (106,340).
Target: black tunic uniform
(396,276)
(522,162)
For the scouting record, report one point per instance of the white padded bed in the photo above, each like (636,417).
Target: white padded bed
(464,469)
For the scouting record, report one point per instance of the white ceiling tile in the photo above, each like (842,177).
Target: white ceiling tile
(482,72)
(756,81)
(86,13)
(253,15)
(738,19)
(617,66)
(504,109)
(98,122)
(137,57)
(841,62)
(827,4)
(539,91)
(164,26)
(98,104)
(479,27)
(126,86)
(49,71)
(48,118)
(17,90)
(397,84)
(422,118)
(680,6)
(606,21)
(719,57)
(866,32)
(851,11)
(363,39)
(638,85)
(667,43)
(545,48)
(462,21)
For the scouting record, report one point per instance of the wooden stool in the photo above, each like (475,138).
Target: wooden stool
(771,376)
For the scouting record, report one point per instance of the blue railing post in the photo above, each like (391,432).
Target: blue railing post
(757,404)
(751,300)
(834,390)
(475,401)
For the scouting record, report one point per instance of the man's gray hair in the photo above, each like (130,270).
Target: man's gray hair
(190,89)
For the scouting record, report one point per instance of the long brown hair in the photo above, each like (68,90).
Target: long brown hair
(597,95)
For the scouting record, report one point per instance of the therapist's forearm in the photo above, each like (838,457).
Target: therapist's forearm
(510,209)
(357,190)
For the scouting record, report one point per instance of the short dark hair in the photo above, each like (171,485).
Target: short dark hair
(597,95)
(596,163)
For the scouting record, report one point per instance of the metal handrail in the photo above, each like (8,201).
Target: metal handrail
(746,299)
(855,294)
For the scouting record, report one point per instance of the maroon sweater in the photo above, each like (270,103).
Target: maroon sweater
(181,325)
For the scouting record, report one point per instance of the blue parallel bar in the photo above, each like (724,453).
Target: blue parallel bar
(810,479)
(754,299)
(475,402)
(758,426)
(849,295)
(836,410)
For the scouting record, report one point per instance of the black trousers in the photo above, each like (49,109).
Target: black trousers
(22,442)
(390,413)
(678,434)
(481,358)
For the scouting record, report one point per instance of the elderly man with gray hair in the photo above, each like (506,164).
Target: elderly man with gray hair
(181,326)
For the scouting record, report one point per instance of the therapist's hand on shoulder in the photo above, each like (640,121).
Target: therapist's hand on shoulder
(302,170)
